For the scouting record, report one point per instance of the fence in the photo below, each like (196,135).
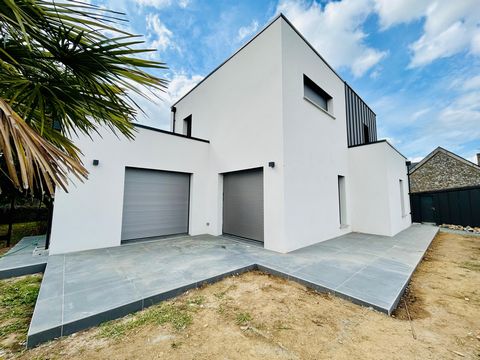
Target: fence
(459,206)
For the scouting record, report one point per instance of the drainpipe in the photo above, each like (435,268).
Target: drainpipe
(407,164)
(174,110)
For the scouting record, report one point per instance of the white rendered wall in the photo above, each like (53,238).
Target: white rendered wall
(239,109)
(315,148)
(89,216)
(376,205)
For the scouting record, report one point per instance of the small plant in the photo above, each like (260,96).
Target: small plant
(197,300)
(243,318)
(219,295)
(471,265)
(165,313)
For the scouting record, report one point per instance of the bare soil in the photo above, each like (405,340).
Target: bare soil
(260,316)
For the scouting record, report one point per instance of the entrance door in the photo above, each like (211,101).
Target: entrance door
(243,204)
(427,209)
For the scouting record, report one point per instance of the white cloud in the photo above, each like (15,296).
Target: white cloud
(156,105)
(392,12)
(336,31)
(450,26)
(183,3)
(472,83)
(245,31)
(418,114)
(162,35)
(416,159)
(181,84)
(159,4)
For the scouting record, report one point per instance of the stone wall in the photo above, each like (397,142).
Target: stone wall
(443,171)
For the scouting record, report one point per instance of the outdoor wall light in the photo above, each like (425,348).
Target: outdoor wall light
(271,164)
(95,162)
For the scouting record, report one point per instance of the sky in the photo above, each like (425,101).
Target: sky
(415,62)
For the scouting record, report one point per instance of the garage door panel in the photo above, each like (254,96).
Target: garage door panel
(155,203)
(243,204)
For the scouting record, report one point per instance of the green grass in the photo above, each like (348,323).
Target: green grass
(177,315)
(197,300)
(17,300)
(20,230)
(243,318)
(471,265)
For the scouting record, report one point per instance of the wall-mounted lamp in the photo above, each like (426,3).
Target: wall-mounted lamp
(271,164)
(95,162)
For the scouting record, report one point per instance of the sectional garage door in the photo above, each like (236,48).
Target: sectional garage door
(243,204)
(155,203)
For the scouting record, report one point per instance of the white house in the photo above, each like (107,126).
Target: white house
(272,146)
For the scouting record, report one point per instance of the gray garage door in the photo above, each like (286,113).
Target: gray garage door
(155,203)
(243,204)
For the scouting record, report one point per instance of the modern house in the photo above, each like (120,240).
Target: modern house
(272,146)
(445,189)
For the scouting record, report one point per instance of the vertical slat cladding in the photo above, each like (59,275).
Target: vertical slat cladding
(347,113)
(358,113)
(358,120)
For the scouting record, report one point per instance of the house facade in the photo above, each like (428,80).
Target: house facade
(272,146)
(445,189)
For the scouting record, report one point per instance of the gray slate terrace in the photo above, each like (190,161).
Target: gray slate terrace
(26,257)
(83,289)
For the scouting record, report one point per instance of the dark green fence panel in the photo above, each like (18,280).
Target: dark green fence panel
(453,206)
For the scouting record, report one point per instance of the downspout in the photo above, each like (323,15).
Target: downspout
(174,110)
(407,164)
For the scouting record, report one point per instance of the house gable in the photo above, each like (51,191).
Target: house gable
(442,170)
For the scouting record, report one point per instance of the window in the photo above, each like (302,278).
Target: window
(402,197)
(342,201)
(187,126)
(313,93)
(366,134)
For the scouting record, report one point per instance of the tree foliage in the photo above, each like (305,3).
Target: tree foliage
(66,68)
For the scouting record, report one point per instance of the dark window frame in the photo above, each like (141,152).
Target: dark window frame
(309,83)
(188,122)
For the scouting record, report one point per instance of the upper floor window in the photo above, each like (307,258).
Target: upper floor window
(187,126)
(315,94)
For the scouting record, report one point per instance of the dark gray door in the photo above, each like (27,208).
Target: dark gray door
(155,203)
(243,204)
(427,209)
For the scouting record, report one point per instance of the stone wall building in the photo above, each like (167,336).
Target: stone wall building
(442,170)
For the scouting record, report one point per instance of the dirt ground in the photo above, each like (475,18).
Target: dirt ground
(260,316)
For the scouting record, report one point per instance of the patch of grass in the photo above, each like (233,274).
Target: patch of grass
(20,230)
(197,300)
(17,300)
(243,318)
(471,265)
(176,315)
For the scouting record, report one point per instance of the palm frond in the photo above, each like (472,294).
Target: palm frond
(31,161)
(69,63)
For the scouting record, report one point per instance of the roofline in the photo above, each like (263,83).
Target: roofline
(141,126)
(252,39)
(377,142)
(438,149)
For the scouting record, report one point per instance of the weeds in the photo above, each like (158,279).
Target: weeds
(197,300)
(243,318)
(17,300)
(471,265)
(166,313)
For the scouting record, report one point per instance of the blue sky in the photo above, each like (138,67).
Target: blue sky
(415,62)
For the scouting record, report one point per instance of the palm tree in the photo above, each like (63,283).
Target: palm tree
(65,69)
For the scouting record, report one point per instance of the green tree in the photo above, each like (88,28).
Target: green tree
(66,68)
